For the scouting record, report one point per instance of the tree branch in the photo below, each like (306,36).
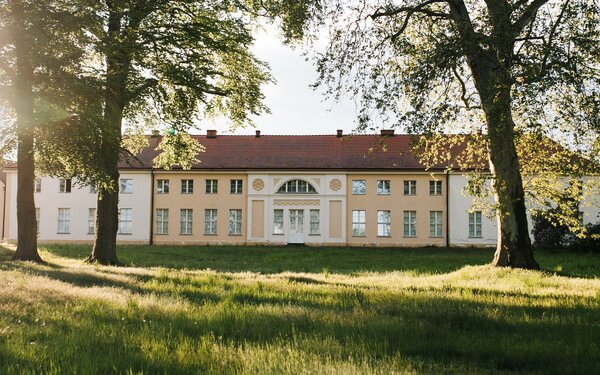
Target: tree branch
(527,16)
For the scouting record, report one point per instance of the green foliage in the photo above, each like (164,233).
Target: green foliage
(229,320)
(179,149)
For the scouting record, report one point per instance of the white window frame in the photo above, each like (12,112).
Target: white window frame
(37,185)
(278,221)
(384,187)
(93,188)
(436,224)
(64,185)
(91,220)
(315,222)
(186,221)
(435,187)
(212,186)
(126,186)
(64,221)
(359,187)
(37,219)
(359,223)
(187,186)
(162,221)
(410,223)
(125,220)
(236,186)
(384,221)
(475,224)
(210,221)
(410,187)
(297,187)
(235,222)
(162,186)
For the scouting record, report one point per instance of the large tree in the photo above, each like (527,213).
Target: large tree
(39,51)
(175,60)
(494,67)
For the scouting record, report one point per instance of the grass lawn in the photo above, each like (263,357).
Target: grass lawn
(259,310)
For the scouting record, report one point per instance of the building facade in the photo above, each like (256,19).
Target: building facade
(249,190)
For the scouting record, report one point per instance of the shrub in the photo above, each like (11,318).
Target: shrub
(550,234)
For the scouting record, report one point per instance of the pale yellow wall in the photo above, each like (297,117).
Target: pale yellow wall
(223,201)
(335,219)
(258,219)
(397,203)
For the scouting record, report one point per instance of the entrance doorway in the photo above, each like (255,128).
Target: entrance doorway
(296,226)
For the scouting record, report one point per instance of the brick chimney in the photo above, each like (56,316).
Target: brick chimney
(340,133)
(387,132)
(258,134)
(211,134)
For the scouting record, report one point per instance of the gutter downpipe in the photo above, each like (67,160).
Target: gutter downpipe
(151,240)
(447,208)
(3,211)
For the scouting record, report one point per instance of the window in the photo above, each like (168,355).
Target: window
(383,187)
(125,220)
(359,187)
(383,223)
(435,223)
(435,187)
(410,187)
(475,224)
(297,187)
(277,221)
(162,186)
(210,221)
(236,187)
(187,186)
(235,222)
(162,220)
(212,186)
(93,188)
(64,220)
(37,185)
(410,223)
(37,220)
(126,186)
(185,226)
(358,223)
(91,220)
(315,222)
(64,185)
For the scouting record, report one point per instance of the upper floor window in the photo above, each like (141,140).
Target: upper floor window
(126,186)
(297,186)
(383,187)
(37,185)
(162,186)
(435,187)
(64,185)
(187,186)
(236,187)
(410,187)
(93,188)
(212,186)
(359,187)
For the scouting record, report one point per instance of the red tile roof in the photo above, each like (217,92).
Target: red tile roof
(297,152)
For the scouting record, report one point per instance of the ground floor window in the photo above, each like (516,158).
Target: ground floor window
(210,221)
(383,223)
(435,223)
(475,224)
(91,221)
(278,221)
(64,220)
(315,222)
(37,220)
(359,223)
(125,220)
(235,222)
(186,221)
(410,223)
(162,221)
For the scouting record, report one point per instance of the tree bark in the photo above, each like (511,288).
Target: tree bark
(104,250)
(23,103)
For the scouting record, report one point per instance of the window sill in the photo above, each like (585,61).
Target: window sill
(124,234)
(162,193)
(356,235)
(236,193)
(314,234)
(235,235)
(185,234)
(161,234)
(187,193)
(359,193)
(384,236)
(210,234)
(63,232)
(436,236)
(476,237)
(278,234)
(386,194)
(409,236)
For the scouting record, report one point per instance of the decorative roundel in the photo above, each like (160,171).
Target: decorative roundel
(258,184)
(335,184)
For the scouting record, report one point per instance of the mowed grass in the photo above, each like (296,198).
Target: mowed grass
(225,310)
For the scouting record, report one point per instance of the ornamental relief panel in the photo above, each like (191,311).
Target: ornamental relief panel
(335,184)
(296,202)
(258,184)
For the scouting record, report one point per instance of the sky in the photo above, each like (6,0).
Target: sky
(295,107)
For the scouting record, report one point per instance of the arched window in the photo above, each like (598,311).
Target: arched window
(297,187)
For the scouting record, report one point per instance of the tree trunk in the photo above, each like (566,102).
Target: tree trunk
(23,103)
(104,250)
(514,245)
